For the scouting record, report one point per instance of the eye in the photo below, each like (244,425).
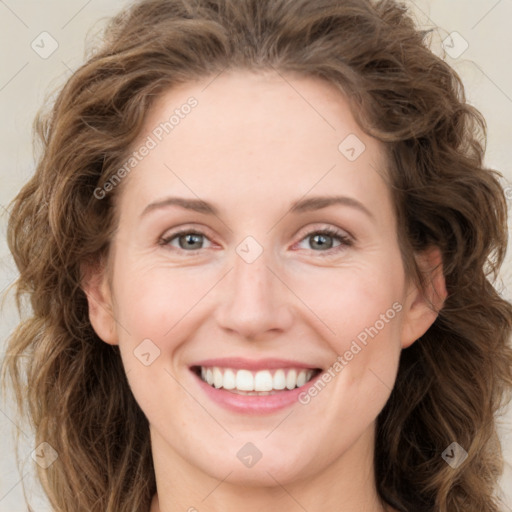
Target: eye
(322,239)
(188,240)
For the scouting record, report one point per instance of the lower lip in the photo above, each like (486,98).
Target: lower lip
(254,404)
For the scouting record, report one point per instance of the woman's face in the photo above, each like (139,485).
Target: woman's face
(251,293)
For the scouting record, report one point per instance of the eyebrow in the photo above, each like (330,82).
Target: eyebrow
(299,206)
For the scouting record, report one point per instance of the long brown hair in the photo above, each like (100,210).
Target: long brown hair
(451,383)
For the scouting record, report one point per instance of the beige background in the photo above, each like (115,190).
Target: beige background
(26,77)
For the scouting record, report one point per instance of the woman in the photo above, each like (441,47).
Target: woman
(259,247)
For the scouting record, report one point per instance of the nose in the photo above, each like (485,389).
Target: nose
(255,300)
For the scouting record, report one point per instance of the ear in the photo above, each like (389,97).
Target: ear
(99,297)
(422,308)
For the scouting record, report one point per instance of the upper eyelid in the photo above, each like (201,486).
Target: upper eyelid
(170,234)
(326,227)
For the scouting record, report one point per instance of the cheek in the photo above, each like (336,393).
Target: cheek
(152,308)
(153,301)
(350,301)
(157,307)
(362,309)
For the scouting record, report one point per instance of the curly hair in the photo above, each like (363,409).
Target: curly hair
(451,383)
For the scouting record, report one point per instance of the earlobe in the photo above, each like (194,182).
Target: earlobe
(99,298)
(423,307)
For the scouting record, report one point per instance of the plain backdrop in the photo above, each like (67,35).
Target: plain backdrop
(41,43)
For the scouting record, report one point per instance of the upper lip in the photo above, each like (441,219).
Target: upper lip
(241,363)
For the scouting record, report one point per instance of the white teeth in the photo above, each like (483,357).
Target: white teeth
(256,382)
(229,380)
(291,379)
(263,381)
(244,380)
(279,380)
(301,379)
(217,378)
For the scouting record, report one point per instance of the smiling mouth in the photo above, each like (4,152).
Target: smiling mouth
(262,382)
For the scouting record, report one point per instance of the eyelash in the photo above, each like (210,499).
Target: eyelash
(345,240)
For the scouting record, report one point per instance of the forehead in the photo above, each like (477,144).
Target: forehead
(250,135)
(269,107)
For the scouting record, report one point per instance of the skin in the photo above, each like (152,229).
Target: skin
(252,146)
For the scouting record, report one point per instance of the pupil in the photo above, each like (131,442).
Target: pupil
(321,237)
(190,239)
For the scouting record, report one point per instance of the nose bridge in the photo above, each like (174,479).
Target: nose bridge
(251,276)
(255,300)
